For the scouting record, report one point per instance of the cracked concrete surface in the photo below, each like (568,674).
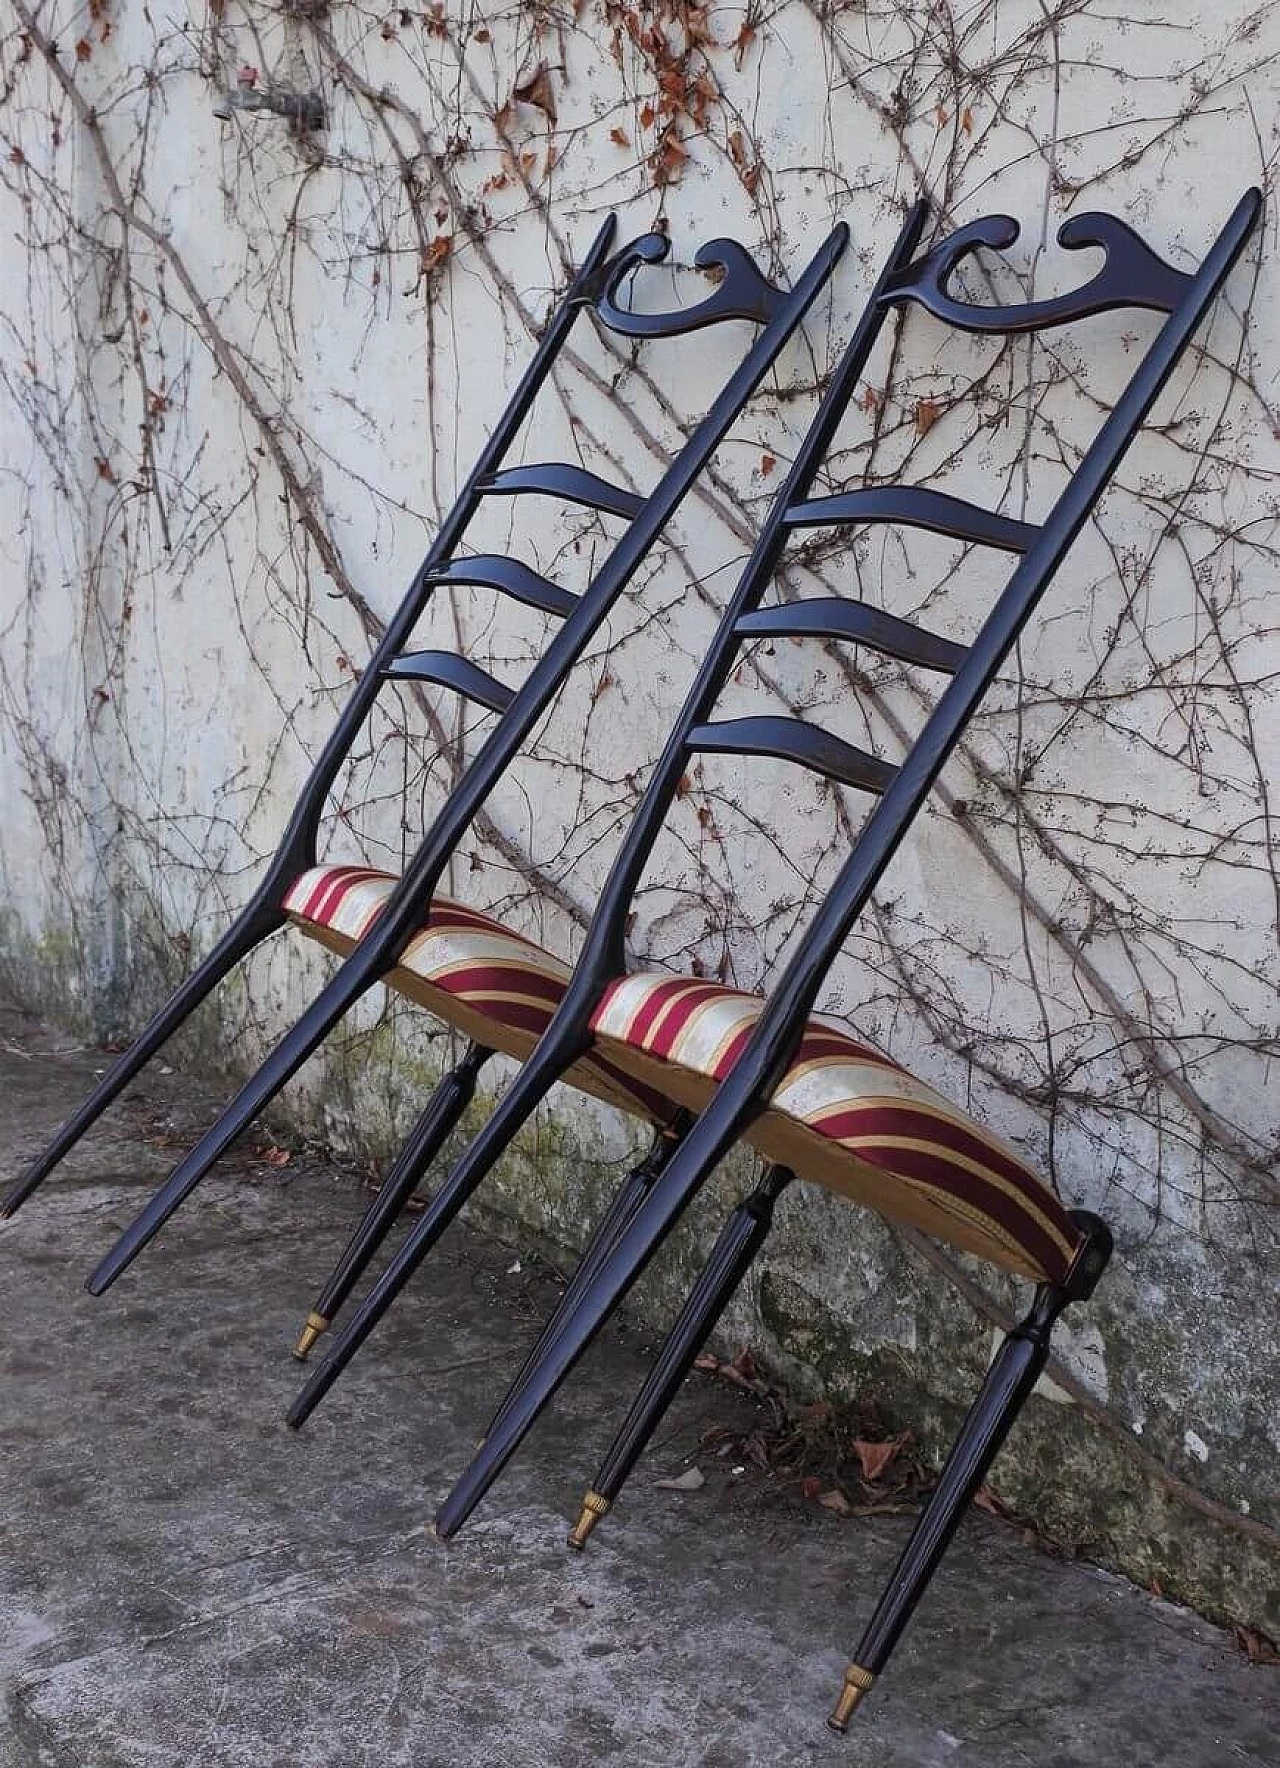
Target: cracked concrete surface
(183,1580)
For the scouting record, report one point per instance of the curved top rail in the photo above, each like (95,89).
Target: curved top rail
(1131,276)
(743,292)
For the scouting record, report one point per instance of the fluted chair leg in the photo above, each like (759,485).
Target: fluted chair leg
(1013,1374)
(552,1058)
(432,1130)
(740,1240)
(250,930)
(609,1230)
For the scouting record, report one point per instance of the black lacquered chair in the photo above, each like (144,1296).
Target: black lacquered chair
(498,989)
(802,1090)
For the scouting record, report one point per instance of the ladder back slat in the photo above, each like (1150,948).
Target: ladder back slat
(917,507)
(448,671)
(573,484)
(788,739)
(833,617)
(494,571)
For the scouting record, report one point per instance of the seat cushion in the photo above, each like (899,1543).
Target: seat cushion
(844,1116)
(495,986)
(848,1118)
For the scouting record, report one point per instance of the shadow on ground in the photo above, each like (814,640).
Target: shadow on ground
(183,1580)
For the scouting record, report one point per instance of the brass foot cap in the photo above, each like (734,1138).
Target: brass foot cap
(593,1508)
(316,1324)
(856,1683)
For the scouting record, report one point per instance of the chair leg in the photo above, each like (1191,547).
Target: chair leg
(549,1061)
(239,940)
(609,1230)
(357,975)
(1012,1376)
(740,1240)
(428,1136)
(690,1166)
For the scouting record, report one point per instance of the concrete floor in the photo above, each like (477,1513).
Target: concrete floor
(183,1580)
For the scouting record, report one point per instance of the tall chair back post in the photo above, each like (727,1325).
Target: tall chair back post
(1131,276)
(602,954)
(742,293)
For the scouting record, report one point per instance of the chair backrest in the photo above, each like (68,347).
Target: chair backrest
(743,293)
(1132,276)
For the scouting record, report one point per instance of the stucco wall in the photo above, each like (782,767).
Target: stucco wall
(243,371)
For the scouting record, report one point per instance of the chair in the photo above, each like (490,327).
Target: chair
(802,1090)
(396,930)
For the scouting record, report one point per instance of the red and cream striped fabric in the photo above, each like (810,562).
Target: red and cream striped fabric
(848,1118)
(844,1116)
(495,986)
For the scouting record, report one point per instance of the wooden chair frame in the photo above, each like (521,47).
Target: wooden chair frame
(643,1215)
(743,293)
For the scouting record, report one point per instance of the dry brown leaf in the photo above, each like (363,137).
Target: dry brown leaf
(985,1499)
(927,414)
(874,1458)
(619,138)
(767,463)
(836,1501)
(669,159)
(1256,1646)
(537,91)
(276,1156)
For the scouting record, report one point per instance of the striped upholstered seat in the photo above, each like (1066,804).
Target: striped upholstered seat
(844,1115)
(847,1118)
(495,986)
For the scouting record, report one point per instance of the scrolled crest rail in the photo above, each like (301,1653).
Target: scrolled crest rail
(1131,276)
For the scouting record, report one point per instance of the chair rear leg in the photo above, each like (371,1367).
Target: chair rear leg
(740,1240)
(609,1230)
(428,1136)
(1013,1374)
(250,930)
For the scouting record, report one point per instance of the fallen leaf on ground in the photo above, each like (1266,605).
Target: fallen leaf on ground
(875,1457)
(1256,1646)
(835,1500)
(691,1480)
(276,1156)
(985,1499)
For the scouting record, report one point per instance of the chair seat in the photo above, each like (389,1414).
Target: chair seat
(493,985)
(844,1116)
(848,1118)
